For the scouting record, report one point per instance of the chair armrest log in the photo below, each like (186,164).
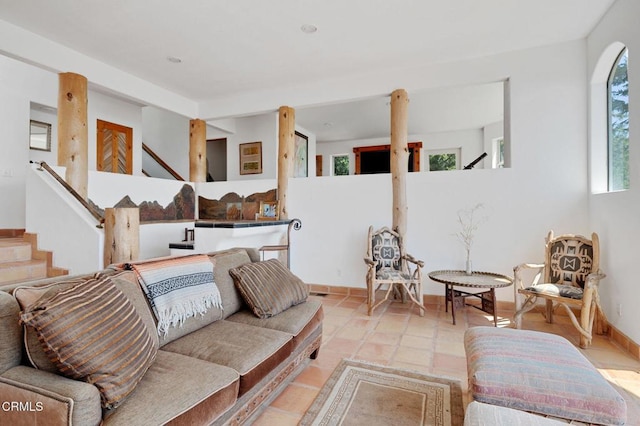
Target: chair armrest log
(370,262)
(593,279)
(517,273)
(412,259)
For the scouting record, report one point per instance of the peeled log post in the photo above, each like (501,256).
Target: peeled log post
(121,235)
(399,159)
(286,147)
(72,130)
(197,151)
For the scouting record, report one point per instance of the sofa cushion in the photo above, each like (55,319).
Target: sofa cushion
(562,290)
(93,333)
(541,373)
(300,320)
(252,351)
(125,281)
(224,261)
(178,389)
(10,347)
(268,287)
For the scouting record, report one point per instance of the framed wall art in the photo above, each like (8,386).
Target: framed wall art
(251,158)
(268,210)
(300,159)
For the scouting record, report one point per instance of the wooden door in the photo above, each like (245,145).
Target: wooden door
(318,165)
(114,148)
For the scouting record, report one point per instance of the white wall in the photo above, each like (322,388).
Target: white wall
(20,84)
(167,134)
(615,215)
(260,128)
(62,224)
(546,188)
(49,157)
(108,108)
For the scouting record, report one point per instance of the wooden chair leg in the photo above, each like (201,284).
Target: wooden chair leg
(549,311)
(528,304)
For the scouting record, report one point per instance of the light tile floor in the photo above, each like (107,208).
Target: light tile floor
(397,336)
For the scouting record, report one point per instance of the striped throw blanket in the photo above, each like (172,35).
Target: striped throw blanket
(178,288)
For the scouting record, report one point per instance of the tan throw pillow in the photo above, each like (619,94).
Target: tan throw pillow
(27,296)
(92,332)
(268,287)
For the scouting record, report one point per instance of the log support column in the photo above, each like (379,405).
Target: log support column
(72,130)
(121,235)
(197,151)
(399,159)
(286,148)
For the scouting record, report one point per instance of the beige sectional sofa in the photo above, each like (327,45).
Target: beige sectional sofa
(216,368)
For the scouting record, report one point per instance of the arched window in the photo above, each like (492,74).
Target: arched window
(618,124)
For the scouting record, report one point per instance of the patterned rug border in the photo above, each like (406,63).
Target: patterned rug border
(457,408)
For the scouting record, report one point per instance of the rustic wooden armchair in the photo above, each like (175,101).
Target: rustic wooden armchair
(569,277)
(389,266)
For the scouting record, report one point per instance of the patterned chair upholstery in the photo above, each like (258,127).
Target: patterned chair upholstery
(389,266)
(569,277)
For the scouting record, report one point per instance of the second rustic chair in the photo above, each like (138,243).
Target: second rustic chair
(569,277)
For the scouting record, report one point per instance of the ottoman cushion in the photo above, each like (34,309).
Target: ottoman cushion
(479,414)
(541,373)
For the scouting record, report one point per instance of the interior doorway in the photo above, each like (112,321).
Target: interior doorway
(217,159)
(377,159)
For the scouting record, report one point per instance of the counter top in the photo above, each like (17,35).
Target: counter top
(239,223)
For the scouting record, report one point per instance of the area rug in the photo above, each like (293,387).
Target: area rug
(360,393)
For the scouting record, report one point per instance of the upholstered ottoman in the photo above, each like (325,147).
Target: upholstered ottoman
(540,373)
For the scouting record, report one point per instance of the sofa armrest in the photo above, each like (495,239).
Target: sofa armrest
(29,396)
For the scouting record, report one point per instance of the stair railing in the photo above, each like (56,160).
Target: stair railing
(96,214)
(162,164)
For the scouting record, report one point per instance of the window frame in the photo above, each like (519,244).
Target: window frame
(611,169)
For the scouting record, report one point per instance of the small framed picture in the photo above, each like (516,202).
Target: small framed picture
(234,211)
(251,158)
(269,210)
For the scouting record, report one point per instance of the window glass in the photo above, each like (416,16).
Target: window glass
(498,153)
(340,165)
(442,162)
(444,159)
(618,123)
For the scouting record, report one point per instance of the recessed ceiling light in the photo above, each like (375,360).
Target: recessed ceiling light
(173,59)
(309,29)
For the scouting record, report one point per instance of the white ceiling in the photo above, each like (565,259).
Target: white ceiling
(229,47)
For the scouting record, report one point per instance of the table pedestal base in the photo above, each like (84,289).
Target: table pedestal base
(458,298)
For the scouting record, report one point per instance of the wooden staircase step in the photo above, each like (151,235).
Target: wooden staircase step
(14,250)
(24,270)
